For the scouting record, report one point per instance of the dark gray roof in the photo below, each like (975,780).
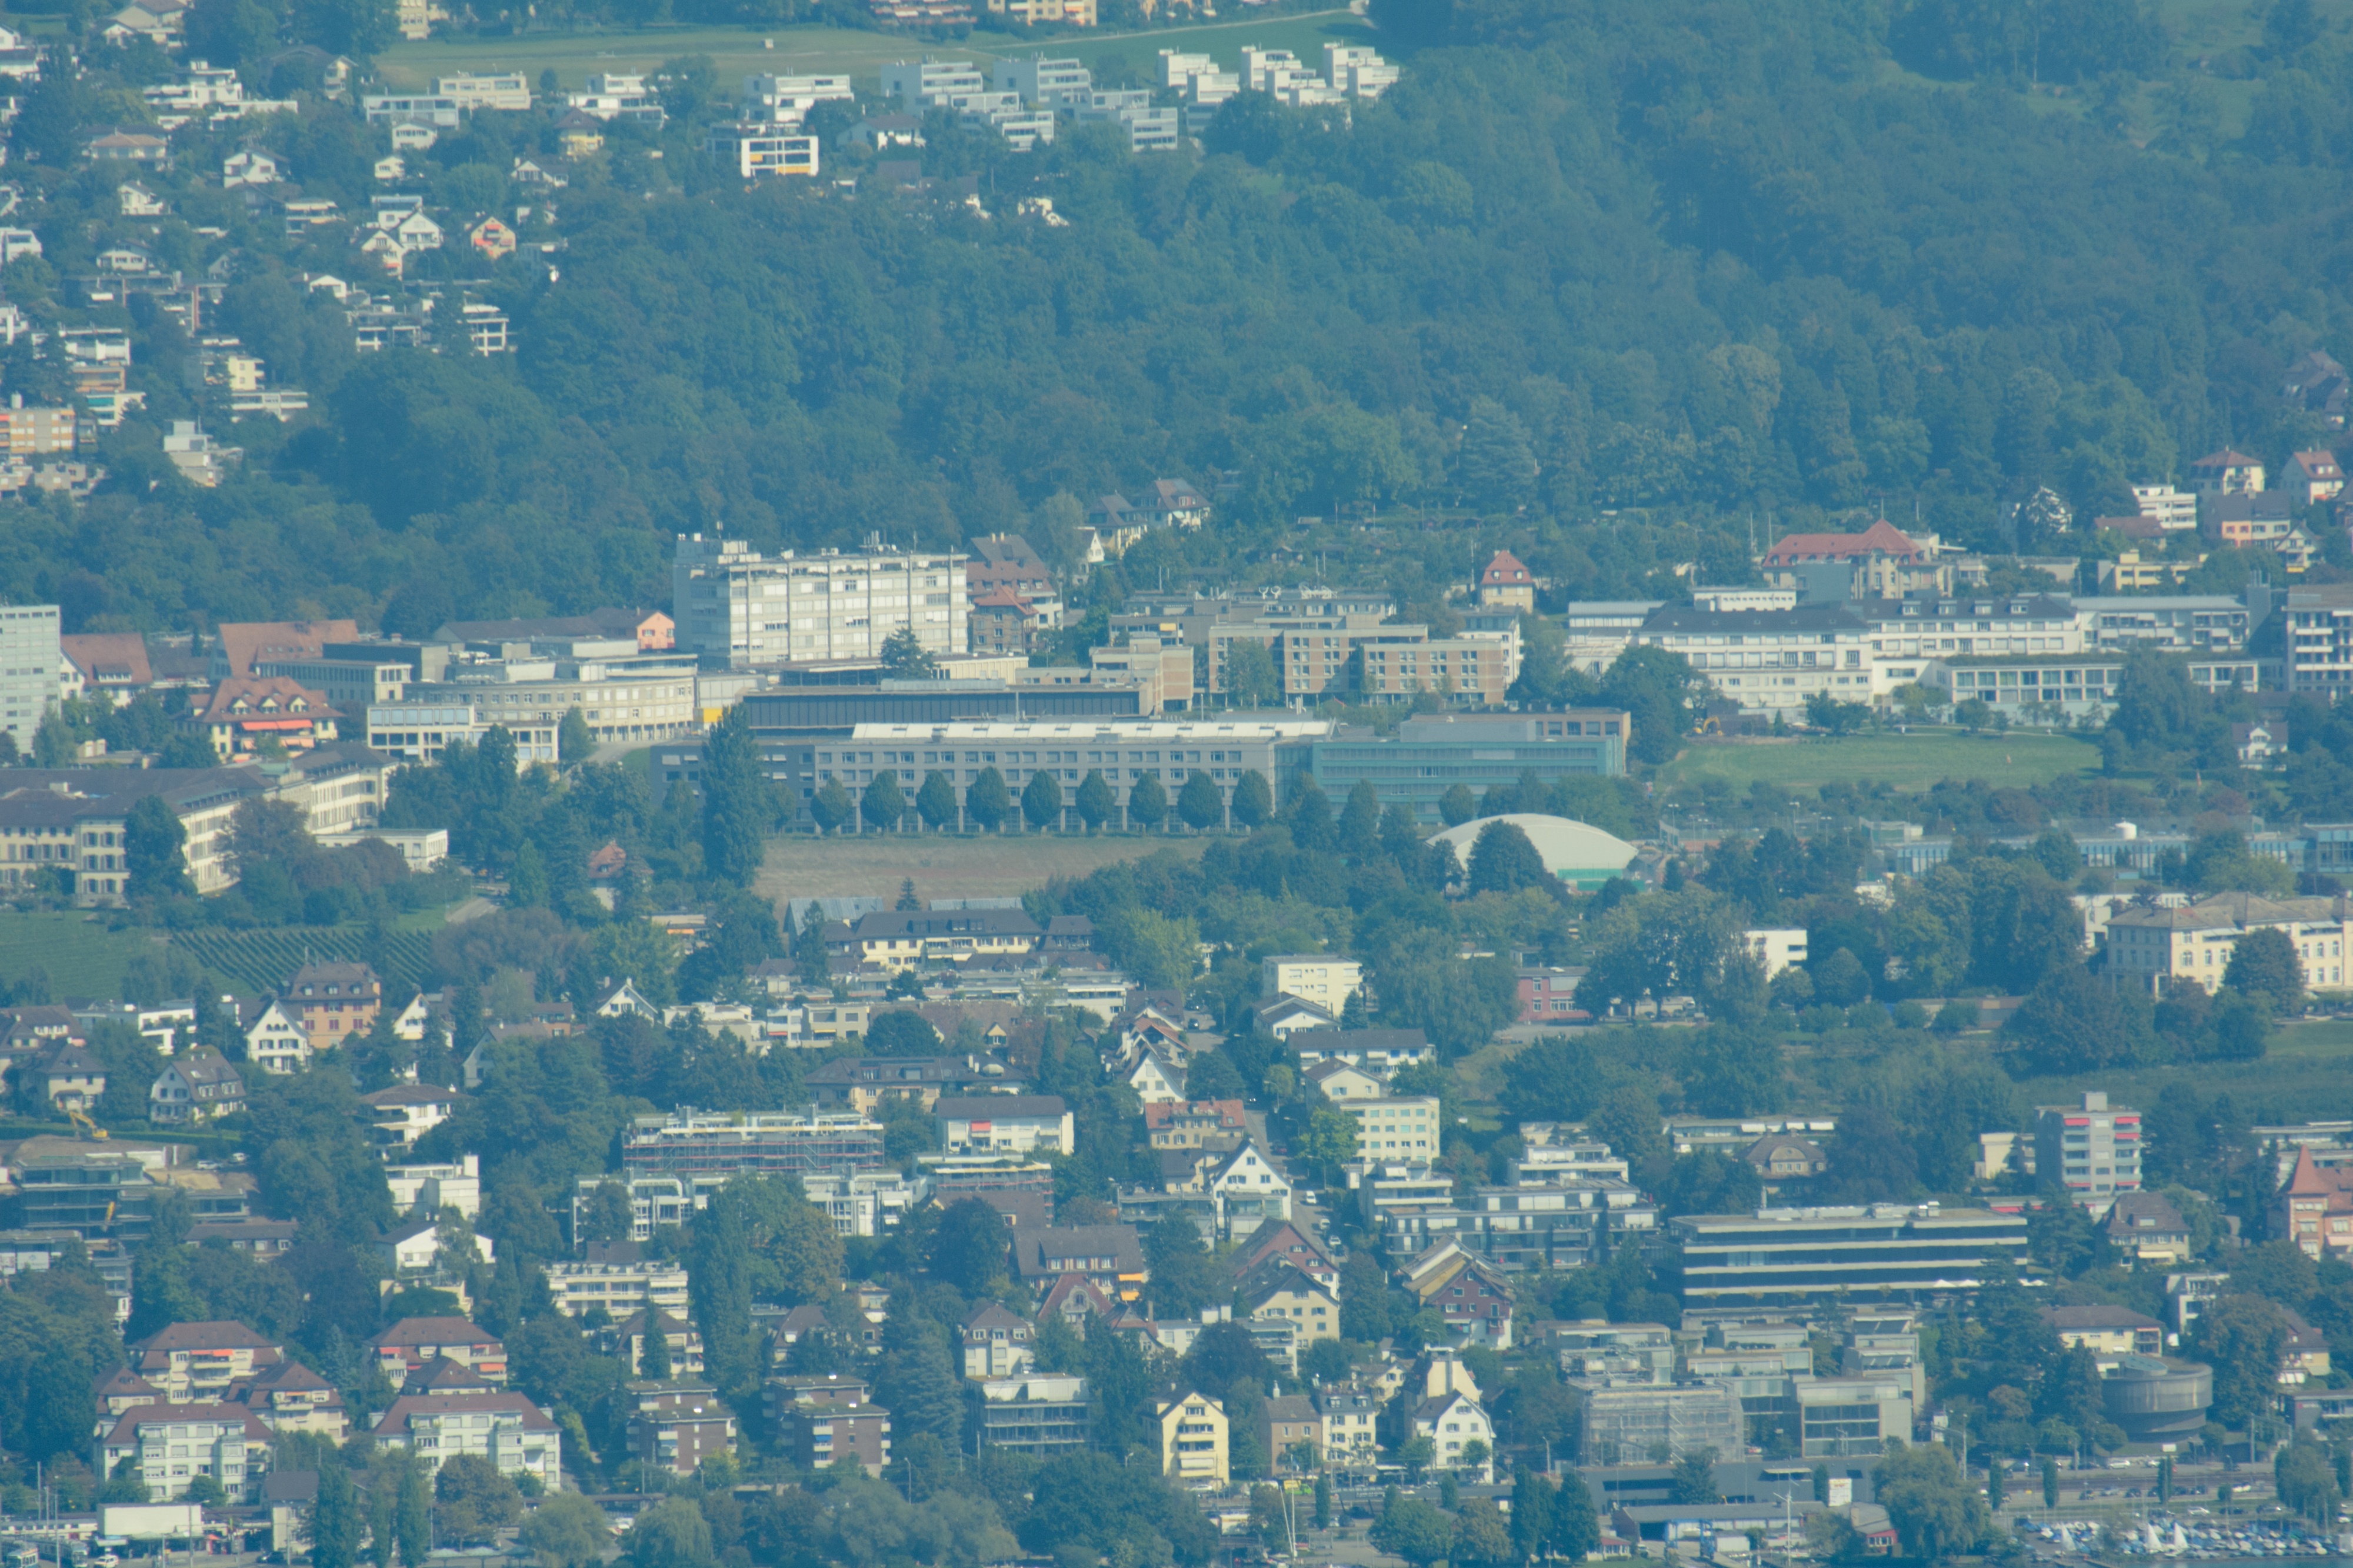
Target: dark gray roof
(988,1107)
(1804,618)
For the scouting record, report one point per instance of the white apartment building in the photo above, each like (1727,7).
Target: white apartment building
(1771,659)
(468,90)
(757,148)
(1272,70)
(625,699)
(2174,510)
(1775,948)
(32,660)
(2319,640)
(1045,83)
(434,1187)
(781,99)
(620,1289)
(169,1445)
(1394,1127)
(507,1429)
(732,602)
(1318,977)
(2093,1148)
(2194,941)
(1357,72)
(920,84)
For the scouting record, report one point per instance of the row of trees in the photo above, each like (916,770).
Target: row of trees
(988,802)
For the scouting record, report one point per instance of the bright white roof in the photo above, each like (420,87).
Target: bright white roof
(1566,845)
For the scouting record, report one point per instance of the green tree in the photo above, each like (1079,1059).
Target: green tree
(153,841)
(904,657)
(1095,801)
(1200,804)
(1936,1512)
(987,800)
(575,741)
(737,806)
(1693,1481)
(527,882)
(1041,800)
(832,807)
(671,1534)
(883,805)
(412,1519)
(337,1524)
(475,1499)
(2265,965)
(1147,804)
(1481,1534)
(935,802)
(1360,821)
(1503,860)
(2242,1337)
(565,1530)
(1413,1530)
(1253,802)
(1457,805)
(1252,679)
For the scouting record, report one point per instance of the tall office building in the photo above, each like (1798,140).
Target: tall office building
(30,655)
(740,608)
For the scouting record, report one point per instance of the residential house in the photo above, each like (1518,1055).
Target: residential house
(625,1000)
(1294,1246)
(1343,1081)
(406,1111)
(2315,1209)
(1003,622)
(1077,1301)
(1010,1123)
(676,1424)
(1204,1123)
(251,167)
(1276,1287)
(1194,1440)
(334,1001)
(1880,563)
(2315,477)
(1288,1016)
(1780,1158)
(1250,1191)
(1107,1255)
(2304,1356)
(71,1078)
(2226,472)
(682,1342)
(168,1447)
(122,1390)
(821,1420)
(996,1342)
(2261,745)
(507,1429)
(1288,1422)
(2147,1227)
(244,710)
(414,1342)
(1157,1080)
(290,1397)
(1469,1292)
(275,1039)
(195,1087)
(2110,1334)
(191,1362)
(1506,585)
(617,1279)
(1452,1422)
(413,1249)
(492,238)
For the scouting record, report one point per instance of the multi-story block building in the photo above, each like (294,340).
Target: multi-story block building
(1864,1253)
(1431,753)
(168,1447)
(2092,1149)
(752,1143)
(821,1420)
(507,1429)
(1015,1123)
(1770,659)
(193,1362)
(2320,640)
(733,604)
(414,1342)
(1322,978)
(2194,941)
(619,1287)
(1193,1439)
(334,1001)
(32,660)
(1400,1127)
(676,1424)
(1041,1414)
(1656,1423)
(1474,668)
(469,90)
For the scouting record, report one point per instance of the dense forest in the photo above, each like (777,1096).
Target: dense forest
(1689,265)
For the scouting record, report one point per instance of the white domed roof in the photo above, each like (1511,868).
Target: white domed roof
(1577,852)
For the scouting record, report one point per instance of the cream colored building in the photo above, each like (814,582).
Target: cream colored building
(619,1288)
(2196,941)
(1395,1128)
(732,602)
(1317,977)
(1194,1447)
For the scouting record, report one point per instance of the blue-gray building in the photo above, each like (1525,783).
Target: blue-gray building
(1432,753)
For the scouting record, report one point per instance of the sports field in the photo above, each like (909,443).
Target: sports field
(802,865)
(737,52)
(1907,761)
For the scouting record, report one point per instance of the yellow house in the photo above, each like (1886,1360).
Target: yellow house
(1193,1445)
(899,939)
(1278,1289)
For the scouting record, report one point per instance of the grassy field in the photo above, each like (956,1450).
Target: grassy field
(81,957)
(1911,761)
(802,865)
(740,52)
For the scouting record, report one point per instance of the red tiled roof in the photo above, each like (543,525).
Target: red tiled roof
(2228,457)
(1504,568)
(1882,538)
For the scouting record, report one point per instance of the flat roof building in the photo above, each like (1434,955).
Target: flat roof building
(1863,1253)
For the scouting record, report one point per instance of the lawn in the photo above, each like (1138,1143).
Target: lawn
(802,865)
(1908,762)
(81,957)
(741,51)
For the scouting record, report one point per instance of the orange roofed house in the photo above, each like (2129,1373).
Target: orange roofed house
(2315,1208)
(1884,561)
(244,710)
(334,1001)
(239,645)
